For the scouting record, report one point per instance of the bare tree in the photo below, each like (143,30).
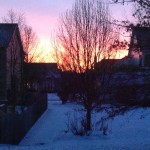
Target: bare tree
(30,43)
(141,10)
(13,17)
(28,36)
(85,37)
(31,53)
(143,3)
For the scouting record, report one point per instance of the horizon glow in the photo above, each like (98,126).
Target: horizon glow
(43,17)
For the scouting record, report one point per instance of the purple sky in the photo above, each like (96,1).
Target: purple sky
(43,15)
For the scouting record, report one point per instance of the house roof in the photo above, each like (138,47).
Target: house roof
(38,70)
(6,32)
(142,34)
(106,63)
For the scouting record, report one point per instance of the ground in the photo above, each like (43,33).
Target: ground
(130,131)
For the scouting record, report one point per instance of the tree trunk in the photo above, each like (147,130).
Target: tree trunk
(88,119)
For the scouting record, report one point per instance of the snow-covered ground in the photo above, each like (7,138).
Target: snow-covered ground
(131,131)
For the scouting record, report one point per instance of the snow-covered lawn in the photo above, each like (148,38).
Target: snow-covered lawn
(131,131)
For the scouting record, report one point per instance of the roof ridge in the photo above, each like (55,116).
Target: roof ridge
(6,32)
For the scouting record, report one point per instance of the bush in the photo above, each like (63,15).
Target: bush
(78,127)
(76,123)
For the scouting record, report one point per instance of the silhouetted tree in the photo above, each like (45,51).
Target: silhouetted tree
(30,43)
(141,10)
(28,36)
(85,37)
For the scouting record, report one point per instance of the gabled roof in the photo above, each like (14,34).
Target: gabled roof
(6,32)
(142,35)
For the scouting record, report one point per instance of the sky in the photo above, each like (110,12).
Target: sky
(43,15)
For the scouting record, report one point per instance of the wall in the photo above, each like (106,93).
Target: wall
(13,126)
(2,74)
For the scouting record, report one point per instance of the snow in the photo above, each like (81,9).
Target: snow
(131,131)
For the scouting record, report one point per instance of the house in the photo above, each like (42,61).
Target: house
(42,76)
(106,64)
(11,61)
(139,49)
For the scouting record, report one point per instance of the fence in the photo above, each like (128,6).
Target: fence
(13,127)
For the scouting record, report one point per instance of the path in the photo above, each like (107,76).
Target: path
(50,127)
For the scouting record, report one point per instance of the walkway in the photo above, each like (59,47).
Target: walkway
(50,127)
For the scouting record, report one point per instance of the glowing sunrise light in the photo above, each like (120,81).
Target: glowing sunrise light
(121,53)
(45,51)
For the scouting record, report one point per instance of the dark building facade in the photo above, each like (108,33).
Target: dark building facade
(42,76)
(11,59)
(140,45)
